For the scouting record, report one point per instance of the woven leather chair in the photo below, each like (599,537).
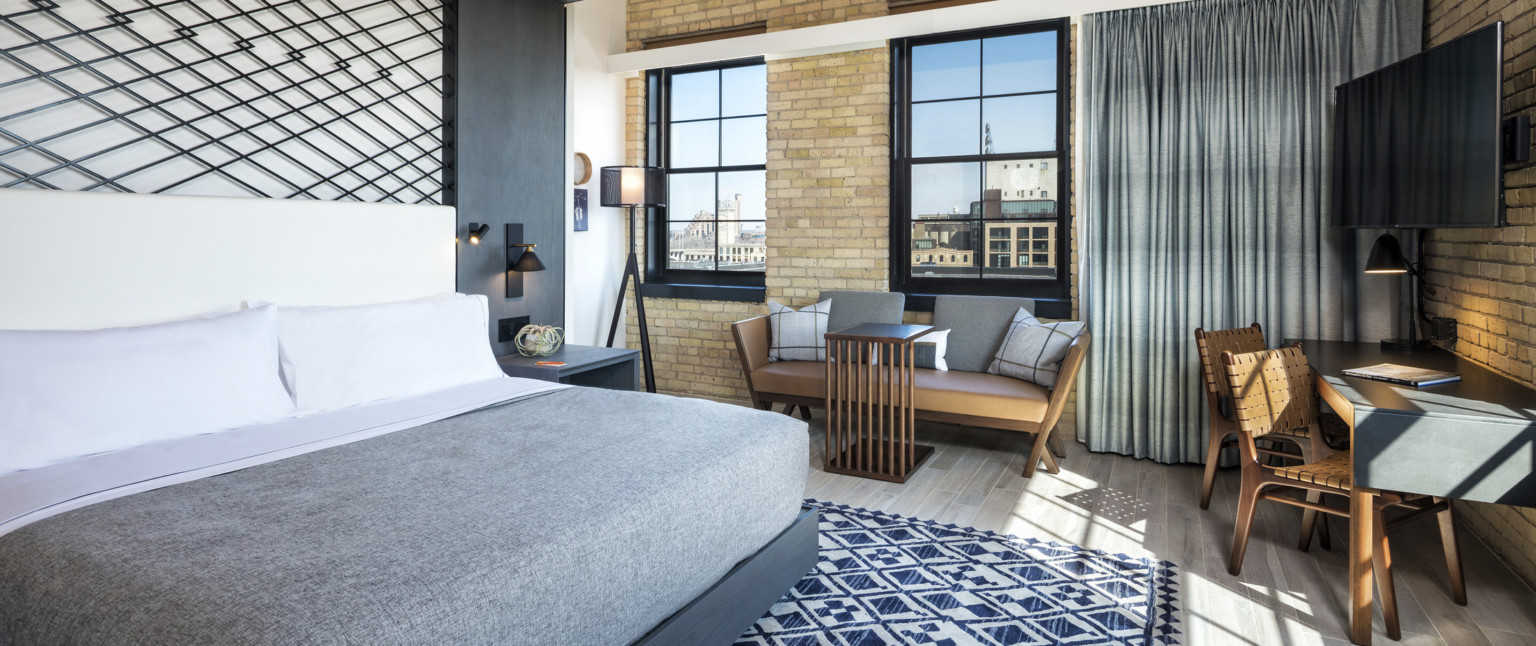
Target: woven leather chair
(1218,396)
(1273,391)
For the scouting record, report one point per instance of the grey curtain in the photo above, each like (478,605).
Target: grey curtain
(1206,135)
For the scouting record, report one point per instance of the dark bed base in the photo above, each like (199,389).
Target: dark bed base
(739,598)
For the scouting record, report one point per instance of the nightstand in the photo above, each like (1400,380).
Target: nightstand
(585,365)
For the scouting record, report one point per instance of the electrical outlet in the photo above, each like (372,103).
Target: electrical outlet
(506,329)
(1442,328)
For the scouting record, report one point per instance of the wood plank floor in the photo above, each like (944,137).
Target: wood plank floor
(1145,509)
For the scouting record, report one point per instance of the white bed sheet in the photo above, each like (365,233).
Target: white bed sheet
(35,494)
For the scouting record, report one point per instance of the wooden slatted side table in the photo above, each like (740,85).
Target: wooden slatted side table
(870,369)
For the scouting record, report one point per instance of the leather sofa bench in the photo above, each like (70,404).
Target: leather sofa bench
(965,394)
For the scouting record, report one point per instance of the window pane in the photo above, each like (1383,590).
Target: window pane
(742,234)
(1018,124)
(744,91)
(1022,188)
(944,191)
(944,248)
(744,141)
(689,196)
(946,128)
(1023,258)
(742,195)
(1000,244)
(1022,63)
(695,95)
(695,144)
(946,70)
(742,245)
(691,244)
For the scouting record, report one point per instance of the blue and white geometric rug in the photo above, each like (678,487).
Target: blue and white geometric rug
(889,579)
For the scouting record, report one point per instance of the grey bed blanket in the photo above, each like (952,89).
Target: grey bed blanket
(579,516)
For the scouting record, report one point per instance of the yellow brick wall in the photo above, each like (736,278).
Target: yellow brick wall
(829,153)
(661,19)
(828,188)
(1486,278)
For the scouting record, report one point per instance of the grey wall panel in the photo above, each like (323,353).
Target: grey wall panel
(509,149)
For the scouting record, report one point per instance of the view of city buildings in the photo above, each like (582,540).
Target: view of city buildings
(1010,232)
(740,247)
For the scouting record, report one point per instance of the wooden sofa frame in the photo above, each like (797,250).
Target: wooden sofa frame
(1042,429)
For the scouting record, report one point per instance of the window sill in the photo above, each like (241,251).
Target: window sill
(1046,308)
(705,292)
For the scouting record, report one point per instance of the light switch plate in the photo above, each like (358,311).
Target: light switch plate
(506,329)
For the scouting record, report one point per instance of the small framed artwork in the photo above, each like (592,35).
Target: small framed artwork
(581,210)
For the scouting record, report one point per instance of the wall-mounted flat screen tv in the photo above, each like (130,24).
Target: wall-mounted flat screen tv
(1416,144)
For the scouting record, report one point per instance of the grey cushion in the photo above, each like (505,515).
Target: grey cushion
(852,308)
(979,324)
(1033,351)
(797,335)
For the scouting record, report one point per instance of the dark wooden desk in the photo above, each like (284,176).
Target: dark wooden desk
(1471,440)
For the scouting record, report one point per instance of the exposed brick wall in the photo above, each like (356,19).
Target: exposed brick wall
(828,188)
(1486,278)
(829,150)
(660,19)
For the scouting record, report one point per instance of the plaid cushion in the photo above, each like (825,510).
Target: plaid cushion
(798,335)
(1033,351)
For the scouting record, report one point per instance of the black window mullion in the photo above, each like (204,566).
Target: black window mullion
(736,117)
(981,146)
(722,169)
(719,160)
(953,99)
(715,230)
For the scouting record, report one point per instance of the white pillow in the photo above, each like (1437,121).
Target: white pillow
(1033,351)
(336,357)
(66,394)
(930,350)
(798,335)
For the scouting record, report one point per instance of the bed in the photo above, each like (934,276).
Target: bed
(498,510)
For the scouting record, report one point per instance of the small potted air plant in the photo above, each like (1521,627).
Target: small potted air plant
(539,340)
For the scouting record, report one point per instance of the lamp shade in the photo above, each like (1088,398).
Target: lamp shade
(633,186)
(528,262)
(1386,257)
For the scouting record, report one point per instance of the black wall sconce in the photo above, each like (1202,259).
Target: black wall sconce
(478,231)
(520,259)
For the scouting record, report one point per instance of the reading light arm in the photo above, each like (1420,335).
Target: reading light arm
(478,231)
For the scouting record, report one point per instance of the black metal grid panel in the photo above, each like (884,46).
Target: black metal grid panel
(321,99)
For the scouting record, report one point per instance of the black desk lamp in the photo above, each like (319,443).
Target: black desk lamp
(634,187)
(1387,258)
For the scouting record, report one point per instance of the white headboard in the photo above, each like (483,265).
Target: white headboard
(72,260)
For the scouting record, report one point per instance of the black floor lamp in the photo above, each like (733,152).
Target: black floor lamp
(633,187)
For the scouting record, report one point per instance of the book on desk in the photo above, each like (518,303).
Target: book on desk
(1405,375)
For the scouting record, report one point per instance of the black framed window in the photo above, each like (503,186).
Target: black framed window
(979,164)
(708,128)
